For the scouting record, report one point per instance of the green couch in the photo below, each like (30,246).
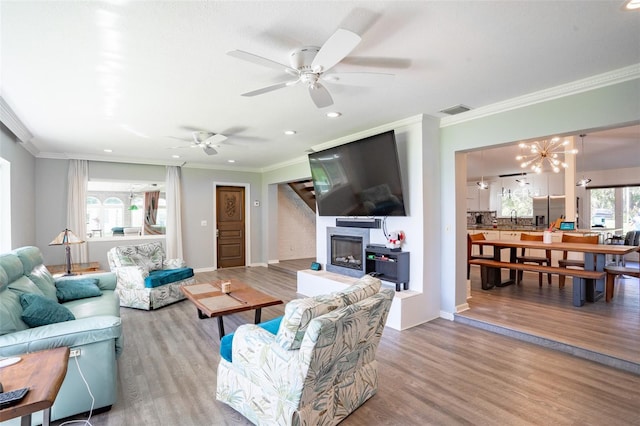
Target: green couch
(96,331)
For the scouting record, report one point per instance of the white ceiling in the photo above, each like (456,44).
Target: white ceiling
(132,76)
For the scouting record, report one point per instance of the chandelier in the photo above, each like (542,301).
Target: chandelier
(548,152)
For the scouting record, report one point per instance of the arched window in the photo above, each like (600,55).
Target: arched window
(94,217)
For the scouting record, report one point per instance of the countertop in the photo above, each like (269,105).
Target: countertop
(523,228)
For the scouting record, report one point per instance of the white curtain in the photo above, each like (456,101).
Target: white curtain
(173,192)
(78,179)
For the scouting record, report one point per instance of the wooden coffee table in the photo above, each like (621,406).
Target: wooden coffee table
(212,302)
(43,373)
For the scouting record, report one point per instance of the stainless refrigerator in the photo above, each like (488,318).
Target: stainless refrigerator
(547,209)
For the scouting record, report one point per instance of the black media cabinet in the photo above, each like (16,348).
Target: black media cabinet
(389,265)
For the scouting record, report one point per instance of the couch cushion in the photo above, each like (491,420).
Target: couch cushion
(12,266)
(365,287)
(43,279)
(77,288)
(226,343)
(167,276)
(25,285)
(152,253)
(297,315)
(38,310)
(10,312)
(148,255)
(30,257)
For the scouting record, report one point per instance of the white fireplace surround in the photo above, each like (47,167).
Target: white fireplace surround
(347,232)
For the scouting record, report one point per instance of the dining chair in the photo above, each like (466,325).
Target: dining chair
(470,239)
(574,263)
(615,271)
(528,258)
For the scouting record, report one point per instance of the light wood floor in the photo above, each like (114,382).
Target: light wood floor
(608,332)
(439,373)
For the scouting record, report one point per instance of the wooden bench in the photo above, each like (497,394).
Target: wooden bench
(579,290)
(612,273)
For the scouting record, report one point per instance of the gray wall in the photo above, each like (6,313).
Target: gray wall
(197,205)
(23,187)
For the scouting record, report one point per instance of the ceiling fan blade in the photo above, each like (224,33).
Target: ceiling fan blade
(358,78)
(271,88)
(377,62)
(214,139)
(339,45)
(209,150)
(241,54)
(320,95)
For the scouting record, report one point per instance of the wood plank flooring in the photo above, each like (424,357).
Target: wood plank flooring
(607,332)
(439,373)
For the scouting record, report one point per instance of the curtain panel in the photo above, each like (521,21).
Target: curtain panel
(78,180)
(173,191)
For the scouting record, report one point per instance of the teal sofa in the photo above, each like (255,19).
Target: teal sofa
(95,332)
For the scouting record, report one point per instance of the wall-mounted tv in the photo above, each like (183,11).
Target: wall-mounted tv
(361,178)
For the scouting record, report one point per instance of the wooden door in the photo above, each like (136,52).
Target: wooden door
(230,224)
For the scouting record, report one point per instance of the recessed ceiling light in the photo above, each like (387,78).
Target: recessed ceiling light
(108,150)
(631,5)
(231,161)
(175,156)
(334,114)
(289,132)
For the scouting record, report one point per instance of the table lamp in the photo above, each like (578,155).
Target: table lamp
(65,238)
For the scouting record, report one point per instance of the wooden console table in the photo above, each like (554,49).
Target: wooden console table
(43,373)
(76,268)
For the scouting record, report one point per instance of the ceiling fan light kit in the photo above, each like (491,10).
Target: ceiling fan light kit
(311,64)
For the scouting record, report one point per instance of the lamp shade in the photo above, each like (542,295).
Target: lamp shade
(66,237)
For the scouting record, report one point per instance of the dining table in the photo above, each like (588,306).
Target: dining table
(595,262)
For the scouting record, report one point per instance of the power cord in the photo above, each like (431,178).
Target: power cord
(93,400)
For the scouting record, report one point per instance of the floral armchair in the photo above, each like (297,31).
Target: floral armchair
(317,369)
(145,279)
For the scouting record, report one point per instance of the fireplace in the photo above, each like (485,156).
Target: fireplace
(345,250)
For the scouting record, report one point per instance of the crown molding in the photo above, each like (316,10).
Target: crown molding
(345,139)
(594,82)
(13,123)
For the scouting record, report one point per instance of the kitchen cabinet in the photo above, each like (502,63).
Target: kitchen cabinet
(477,199)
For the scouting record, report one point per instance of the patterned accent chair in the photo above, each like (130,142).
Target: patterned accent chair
(318,368)
(145,279)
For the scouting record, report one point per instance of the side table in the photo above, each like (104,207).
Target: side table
(43,373)
(76,268)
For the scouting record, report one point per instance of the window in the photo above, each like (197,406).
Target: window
(516,201)
(117,208)
(616,208)
(113,213)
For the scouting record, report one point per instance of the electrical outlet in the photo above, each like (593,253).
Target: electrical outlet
(74,353)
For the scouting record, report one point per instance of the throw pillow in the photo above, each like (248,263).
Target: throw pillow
(39,310)
(72,289)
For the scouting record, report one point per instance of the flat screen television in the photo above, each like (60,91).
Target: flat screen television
(360,178)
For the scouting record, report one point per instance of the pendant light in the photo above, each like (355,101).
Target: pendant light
(482,184)
(523,180)
(584,181)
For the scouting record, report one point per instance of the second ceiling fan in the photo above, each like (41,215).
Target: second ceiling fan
(310,65)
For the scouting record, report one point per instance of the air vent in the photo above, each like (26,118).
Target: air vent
(458,109)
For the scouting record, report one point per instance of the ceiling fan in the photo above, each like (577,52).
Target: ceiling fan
(204,140)
(311,65)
